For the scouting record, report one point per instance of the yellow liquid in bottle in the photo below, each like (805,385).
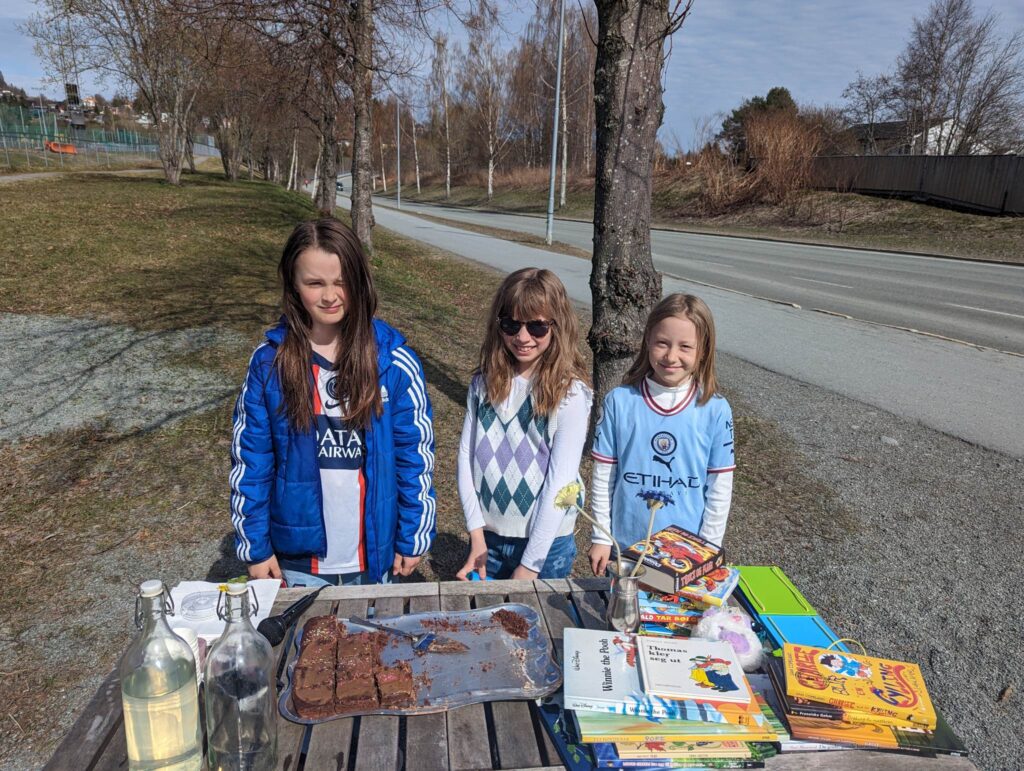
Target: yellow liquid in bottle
(163,731)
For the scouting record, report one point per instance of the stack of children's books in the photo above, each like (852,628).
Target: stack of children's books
(834,703)
(632,701)
(859,701)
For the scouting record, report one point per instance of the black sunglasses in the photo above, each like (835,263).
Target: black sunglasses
(536,328)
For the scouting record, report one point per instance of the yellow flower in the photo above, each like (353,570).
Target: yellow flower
(569,496)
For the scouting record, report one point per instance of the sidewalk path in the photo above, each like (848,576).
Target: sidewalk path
(7,179)
(973,394)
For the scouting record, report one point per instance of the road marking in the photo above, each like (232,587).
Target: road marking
(985,310)
(815,281)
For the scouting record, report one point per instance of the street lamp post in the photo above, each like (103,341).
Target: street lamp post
(550,229)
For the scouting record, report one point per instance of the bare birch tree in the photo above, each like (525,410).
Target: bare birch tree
(147,44)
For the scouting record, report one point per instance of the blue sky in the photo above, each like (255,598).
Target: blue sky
(728,50)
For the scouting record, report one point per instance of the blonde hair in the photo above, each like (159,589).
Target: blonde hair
(684,306)
(528,294)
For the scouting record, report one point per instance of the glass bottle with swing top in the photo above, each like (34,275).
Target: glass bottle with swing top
(241,702)
(158,690)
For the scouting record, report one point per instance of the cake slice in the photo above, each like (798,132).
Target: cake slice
(313,692)
(396,687)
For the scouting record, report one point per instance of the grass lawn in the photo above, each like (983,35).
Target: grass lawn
(821,217)
(89,512)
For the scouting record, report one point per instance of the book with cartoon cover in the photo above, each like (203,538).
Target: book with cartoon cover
(676,558)
(680,755)
(605,727)
(601,675)
(862,684)
(713,588)
(691,669)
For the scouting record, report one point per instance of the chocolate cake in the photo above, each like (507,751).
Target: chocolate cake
(313,692)
(320,629)
(355,694)
(340,673)
(514,623)
(395,686)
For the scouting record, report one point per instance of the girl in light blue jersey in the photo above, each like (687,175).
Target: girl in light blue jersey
(665,435)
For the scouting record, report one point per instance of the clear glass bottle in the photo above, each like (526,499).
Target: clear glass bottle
(158,691)
(241,701)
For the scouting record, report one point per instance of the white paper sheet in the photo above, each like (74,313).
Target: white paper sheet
(195,605)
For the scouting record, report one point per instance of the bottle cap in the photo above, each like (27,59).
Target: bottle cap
(238,588)
(152,588)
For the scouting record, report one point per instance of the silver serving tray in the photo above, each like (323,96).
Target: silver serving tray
(496,666)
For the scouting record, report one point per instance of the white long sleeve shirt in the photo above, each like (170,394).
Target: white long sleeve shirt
(480,459)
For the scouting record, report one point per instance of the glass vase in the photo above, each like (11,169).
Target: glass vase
(623,601)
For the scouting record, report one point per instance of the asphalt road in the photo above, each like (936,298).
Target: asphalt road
(981,303)
(970,393)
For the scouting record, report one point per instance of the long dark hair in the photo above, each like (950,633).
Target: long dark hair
(357,358)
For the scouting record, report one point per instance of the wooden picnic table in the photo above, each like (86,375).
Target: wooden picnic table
(495,735)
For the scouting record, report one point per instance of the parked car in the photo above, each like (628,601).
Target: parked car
(338,185)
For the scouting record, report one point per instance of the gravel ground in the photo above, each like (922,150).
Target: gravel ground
(927,565)
(919,516)
(62,373)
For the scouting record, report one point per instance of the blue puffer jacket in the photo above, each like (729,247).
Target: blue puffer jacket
(276,498)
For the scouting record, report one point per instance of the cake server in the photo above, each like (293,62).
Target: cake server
(420,642)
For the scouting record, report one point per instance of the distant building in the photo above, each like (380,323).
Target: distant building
(900,137)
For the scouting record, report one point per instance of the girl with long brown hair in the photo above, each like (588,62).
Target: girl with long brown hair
(333,445)
(665,439)
(524,431)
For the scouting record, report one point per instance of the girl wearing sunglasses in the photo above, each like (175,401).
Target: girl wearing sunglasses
(523,435)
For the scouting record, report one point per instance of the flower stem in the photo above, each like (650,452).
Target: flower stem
(618,551)
(647,540)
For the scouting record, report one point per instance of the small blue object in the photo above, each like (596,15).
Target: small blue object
(474,576)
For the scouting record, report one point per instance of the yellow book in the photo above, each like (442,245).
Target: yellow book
(863,684)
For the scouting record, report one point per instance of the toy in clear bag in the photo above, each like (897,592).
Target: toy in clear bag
(732,625)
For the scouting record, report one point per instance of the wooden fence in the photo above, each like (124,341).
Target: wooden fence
(988,183)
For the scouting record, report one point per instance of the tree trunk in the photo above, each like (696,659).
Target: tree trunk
(172,149)
(383,171)
(447,151)
(629,108)
(328,162)
(362,144)
(490,176)
(565,145)
(415,153)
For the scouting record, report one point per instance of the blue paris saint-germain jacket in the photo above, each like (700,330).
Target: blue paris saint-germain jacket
(276,498)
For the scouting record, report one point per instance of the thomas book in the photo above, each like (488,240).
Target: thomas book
(601,675)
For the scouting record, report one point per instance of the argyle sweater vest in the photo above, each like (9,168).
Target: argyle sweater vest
(510,450)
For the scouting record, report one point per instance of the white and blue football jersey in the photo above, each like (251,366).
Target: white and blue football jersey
(663,455)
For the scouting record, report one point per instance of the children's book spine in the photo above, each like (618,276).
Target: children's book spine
(674,763)
(876,714)
(643,708)
(683,580)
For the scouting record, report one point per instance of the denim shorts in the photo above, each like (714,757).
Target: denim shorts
(504,554)
(294,576)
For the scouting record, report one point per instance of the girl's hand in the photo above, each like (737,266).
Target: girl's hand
(266,569)
(523,574)
(403,566)
(600,553)
(477,559)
